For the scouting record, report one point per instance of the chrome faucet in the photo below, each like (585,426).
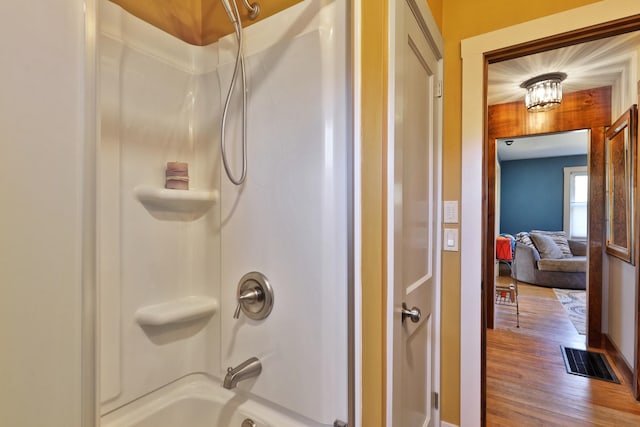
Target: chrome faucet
(248,369)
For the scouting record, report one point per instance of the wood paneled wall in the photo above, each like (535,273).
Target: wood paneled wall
(198,22)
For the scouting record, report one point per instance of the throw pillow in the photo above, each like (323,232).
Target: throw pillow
(561,240)
(523,237)
(546,246)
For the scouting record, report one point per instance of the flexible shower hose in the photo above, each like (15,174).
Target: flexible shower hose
(239,65)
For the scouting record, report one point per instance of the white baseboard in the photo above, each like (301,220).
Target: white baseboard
(446,424)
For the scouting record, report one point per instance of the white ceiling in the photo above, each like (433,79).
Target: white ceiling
(604,62)
(549,145)
(607,62)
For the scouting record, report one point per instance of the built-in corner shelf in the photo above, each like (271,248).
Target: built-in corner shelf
(176,311)
(184,204)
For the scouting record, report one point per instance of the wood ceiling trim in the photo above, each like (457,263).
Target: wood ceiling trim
(197,22)
(597,32)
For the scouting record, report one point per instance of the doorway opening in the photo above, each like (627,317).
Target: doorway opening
(541,188)
(518,122)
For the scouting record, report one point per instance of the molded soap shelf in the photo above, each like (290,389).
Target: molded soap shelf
(176,311)
(189,204)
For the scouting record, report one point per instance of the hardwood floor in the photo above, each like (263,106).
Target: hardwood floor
(527,383)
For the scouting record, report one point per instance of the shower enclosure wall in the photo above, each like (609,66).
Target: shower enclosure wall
(170,260)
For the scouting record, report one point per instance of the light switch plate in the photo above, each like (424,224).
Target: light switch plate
(450,240)
(450,214)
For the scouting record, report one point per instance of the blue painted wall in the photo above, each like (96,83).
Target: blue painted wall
(532,193)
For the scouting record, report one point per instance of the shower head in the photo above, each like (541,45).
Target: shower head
(227,7)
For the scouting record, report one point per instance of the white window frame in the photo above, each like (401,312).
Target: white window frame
(568,173)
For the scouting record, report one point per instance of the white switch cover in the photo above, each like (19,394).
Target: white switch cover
(450,212)
(451,239)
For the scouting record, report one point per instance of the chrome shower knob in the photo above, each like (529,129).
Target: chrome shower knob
(255,296)
(248,296)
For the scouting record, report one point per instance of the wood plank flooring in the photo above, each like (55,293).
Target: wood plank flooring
(527,383)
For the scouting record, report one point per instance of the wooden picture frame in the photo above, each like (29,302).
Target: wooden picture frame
(620,143)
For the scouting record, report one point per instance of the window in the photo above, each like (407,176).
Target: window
(576,195)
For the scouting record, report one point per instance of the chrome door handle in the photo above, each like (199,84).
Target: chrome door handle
(413,314)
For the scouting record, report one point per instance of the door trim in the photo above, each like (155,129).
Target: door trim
(89,337)
(596,120)
(577,25)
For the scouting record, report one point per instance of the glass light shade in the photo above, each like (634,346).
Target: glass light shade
(543,92)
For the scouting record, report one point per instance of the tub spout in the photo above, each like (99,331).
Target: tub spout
(248,369)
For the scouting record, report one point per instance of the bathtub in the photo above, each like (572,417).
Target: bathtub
(199,401)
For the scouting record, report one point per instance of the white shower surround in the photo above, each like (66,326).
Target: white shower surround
(161,101)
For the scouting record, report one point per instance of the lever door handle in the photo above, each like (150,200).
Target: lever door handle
(414,314)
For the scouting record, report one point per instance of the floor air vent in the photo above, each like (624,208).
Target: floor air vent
(588,364)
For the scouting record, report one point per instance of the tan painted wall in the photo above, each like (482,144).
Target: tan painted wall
(462,19)
(435,6)
(374,143)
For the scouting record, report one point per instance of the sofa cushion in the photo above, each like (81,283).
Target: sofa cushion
(576,264)
(578,247)
(560,238)
(546,246)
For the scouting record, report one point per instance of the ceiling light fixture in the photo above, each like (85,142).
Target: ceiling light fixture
(544,92)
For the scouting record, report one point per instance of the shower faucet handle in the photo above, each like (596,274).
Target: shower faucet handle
(248,296)
(236,314)
(255,296)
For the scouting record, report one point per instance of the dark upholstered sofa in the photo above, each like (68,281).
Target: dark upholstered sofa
(566,273)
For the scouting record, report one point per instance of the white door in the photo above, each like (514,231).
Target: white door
(413,216)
